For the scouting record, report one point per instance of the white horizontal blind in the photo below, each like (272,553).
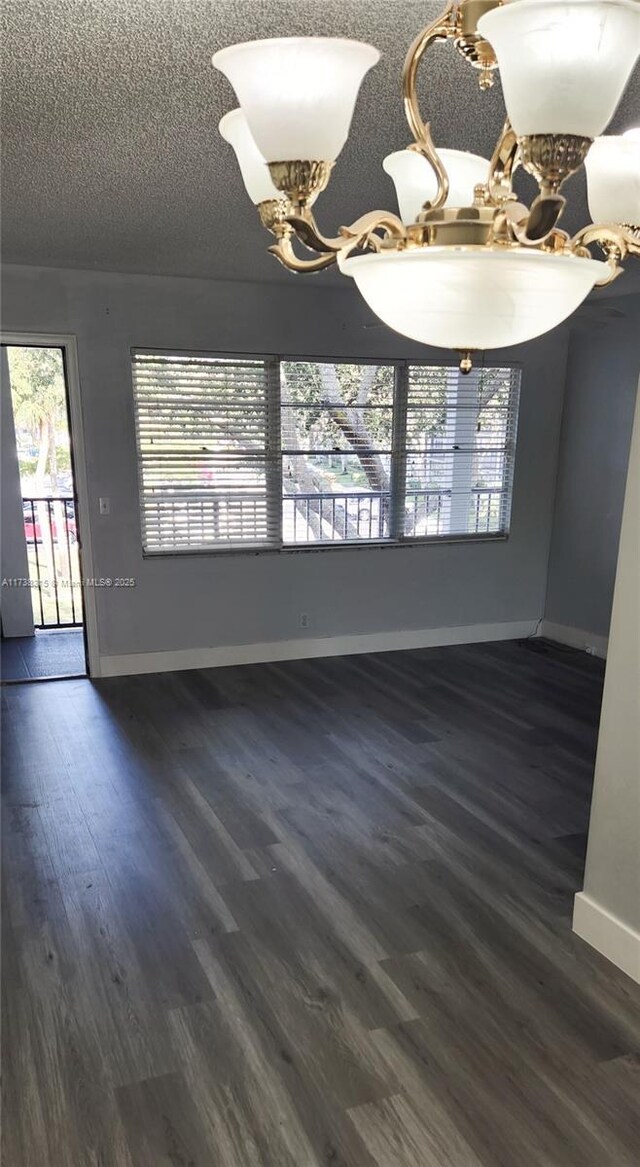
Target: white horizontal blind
(337,426)
(459,451)
(208,451)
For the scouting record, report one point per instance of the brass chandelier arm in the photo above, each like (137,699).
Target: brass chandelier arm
(303,224)
(607,235)
(283,250)
(504,163)
(444,27)
(367,233)
(361,233)
(616,240)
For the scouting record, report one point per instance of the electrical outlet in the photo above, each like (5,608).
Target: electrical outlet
(590,649)
(105,506)
(303,619)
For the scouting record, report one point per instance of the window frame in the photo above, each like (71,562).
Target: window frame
(396,538)
(510,446)
(389,363)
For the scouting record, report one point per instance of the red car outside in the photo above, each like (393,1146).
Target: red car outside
(33,531)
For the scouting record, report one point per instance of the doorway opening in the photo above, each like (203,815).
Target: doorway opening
(45,541)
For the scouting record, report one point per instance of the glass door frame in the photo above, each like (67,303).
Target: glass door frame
(68,344)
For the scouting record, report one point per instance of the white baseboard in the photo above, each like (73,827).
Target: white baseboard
(606,933)
(575,637)
(243,654)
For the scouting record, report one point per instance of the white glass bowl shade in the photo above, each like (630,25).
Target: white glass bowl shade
(297,93)
(471,298)
(563,63)
(613,179)
(415,181)
(253,168)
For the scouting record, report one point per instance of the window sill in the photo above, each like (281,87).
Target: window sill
(319,548)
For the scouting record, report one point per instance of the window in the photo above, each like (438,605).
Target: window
(207,451)
(337,437)
(269,453)
(459,445)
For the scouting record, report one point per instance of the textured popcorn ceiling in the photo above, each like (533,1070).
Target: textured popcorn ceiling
(112,158)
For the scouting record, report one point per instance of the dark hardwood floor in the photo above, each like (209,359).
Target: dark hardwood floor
(314,913)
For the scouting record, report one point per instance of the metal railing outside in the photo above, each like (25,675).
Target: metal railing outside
(51,535)
(328,518)
(202,521)
(489,510)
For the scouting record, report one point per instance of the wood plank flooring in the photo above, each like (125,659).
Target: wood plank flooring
(313,914)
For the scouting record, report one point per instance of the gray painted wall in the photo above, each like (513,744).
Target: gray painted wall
(600,393)
(211,601)
(612,876)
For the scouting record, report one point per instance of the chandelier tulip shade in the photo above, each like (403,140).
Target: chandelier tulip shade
(466,265)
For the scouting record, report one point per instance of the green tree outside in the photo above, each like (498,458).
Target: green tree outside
(39,408)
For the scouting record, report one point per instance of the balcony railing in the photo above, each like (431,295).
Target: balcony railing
(326,518)
(363,516)
(202,521)
(51,534)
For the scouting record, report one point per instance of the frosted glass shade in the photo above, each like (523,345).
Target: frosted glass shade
(297,93)
(253,168)
(471,298)
(564,63)
(415,181)
(613,179)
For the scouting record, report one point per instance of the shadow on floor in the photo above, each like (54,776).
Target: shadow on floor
(53,653)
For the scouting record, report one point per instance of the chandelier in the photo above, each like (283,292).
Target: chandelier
(466,265)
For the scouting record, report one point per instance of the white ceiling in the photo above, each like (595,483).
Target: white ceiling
(112,158)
